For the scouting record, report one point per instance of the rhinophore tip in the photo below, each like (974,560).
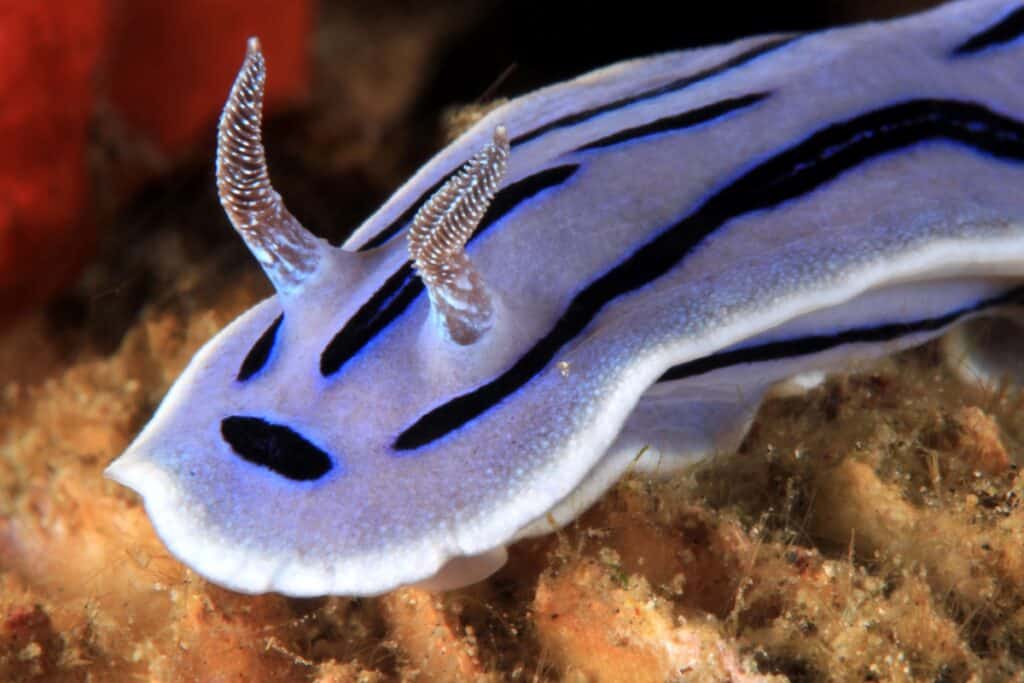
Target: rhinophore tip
(287,251)
(459,298)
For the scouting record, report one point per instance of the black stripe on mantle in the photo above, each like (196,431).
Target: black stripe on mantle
(789,174)
(816,343)
(686,119)
(1008,29)
(259,354)
(402,288)
(673,86)
(584,115)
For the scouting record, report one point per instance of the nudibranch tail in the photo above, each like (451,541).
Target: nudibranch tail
(437,239)
(287,251)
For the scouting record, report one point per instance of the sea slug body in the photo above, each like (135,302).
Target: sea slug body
(626,263)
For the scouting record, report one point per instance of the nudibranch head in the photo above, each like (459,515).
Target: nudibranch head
(267,467)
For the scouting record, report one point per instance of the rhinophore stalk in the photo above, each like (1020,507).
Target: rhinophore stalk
(459,299)
(287,251)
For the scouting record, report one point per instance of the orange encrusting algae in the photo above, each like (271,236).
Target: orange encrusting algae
(47,67)
(82,75)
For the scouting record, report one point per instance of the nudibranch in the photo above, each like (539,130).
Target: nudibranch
(606,273)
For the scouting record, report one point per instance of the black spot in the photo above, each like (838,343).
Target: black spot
(275,447)
(260,351)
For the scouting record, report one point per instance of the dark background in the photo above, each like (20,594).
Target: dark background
(385,75)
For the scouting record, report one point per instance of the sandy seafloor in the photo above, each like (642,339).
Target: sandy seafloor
(871,530)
